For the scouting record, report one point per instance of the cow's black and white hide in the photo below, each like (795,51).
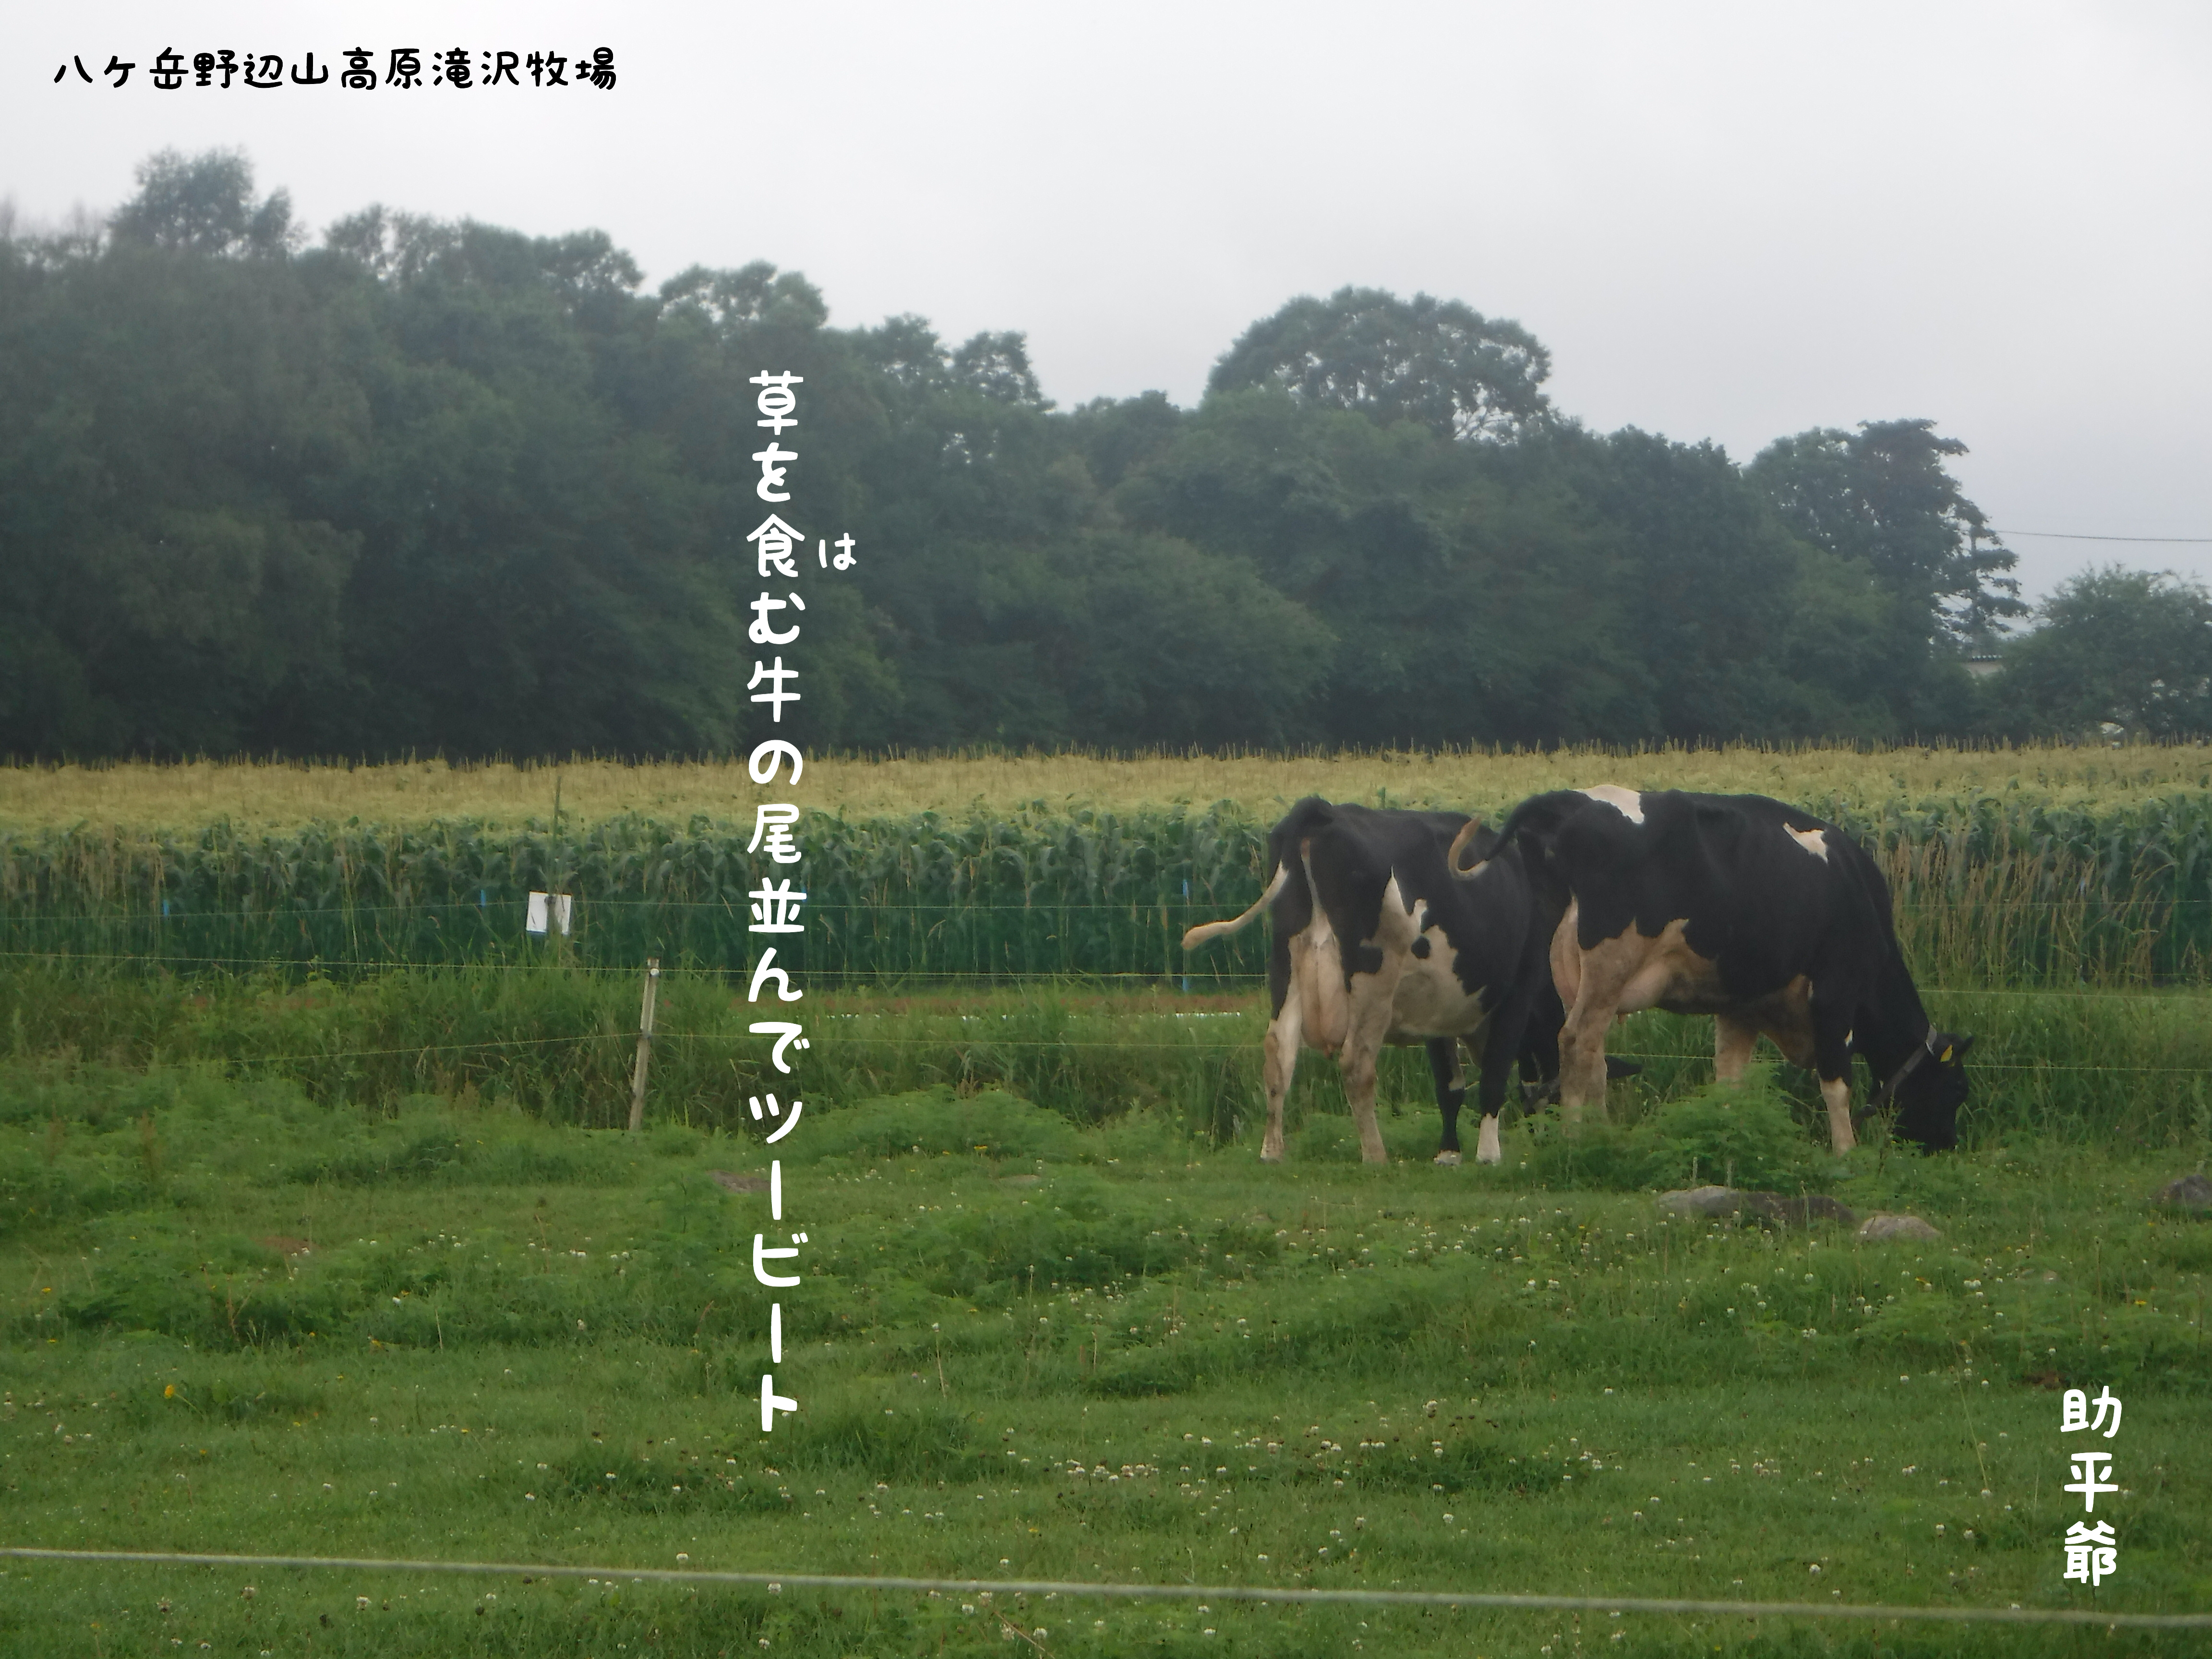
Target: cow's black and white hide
(1743,907)
(1376,943)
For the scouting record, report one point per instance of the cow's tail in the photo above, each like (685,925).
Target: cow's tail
(1539,816)
(1461,841)
(1199,935)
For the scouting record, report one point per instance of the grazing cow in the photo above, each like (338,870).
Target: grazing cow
(1739,907)
(1396,951)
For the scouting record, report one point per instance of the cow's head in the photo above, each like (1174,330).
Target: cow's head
(1927,1101)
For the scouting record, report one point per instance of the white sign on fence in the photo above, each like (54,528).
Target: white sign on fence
(559,905)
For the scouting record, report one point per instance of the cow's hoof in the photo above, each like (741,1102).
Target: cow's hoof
(1450,1160)
(1487,1150)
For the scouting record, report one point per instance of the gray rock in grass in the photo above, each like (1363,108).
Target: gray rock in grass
(1702,1201)
(1780,1208)
(1884,1228)
(2191,1192)
(1802,1212)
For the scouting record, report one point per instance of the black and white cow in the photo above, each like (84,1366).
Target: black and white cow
(1741,908)
(1396,951)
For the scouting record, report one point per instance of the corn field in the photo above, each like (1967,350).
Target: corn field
(1992,890)
(292,795)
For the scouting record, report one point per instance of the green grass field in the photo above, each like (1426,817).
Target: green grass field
(306,1251)
(1101,1353)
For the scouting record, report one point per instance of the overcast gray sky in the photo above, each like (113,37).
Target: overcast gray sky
(1732,222)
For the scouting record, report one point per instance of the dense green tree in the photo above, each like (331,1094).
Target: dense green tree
(1173,646)
(1116,436)
(205,205)
(1116,642)
(1710,580)
(997,365)
(1355,522)
(439,486)
(1884,495)
(165,585)
(1437,361)
(533,573)
(2117,652)
(1566,588)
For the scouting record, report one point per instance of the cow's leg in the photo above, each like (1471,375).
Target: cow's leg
(1831,1063)
(1567,958)
(1733,1042)
(1602,974)
(1363,1048)
(1837,1091)
(1451,1093)
(1540,1044)
(1285,1032)
(1582,1062)
(1358,1063)
(1503,1042)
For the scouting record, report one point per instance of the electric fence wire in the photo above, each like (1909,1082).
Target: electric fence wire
(776,1581)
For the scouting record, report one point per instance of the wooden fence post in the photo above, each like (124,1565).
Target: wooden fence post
(644,1045)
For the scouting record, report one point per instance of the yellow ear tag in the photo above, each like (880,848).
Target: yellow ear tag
(1945,1054)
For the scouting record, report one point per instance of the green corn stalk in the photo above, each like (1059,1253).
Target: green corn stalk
(1991,890)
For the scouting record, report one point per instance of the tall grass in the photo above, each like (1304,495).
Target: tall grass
(292,795)
(2064,1065)
(1991,890)
(2120,911)
(559,1046)
(1095,893)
